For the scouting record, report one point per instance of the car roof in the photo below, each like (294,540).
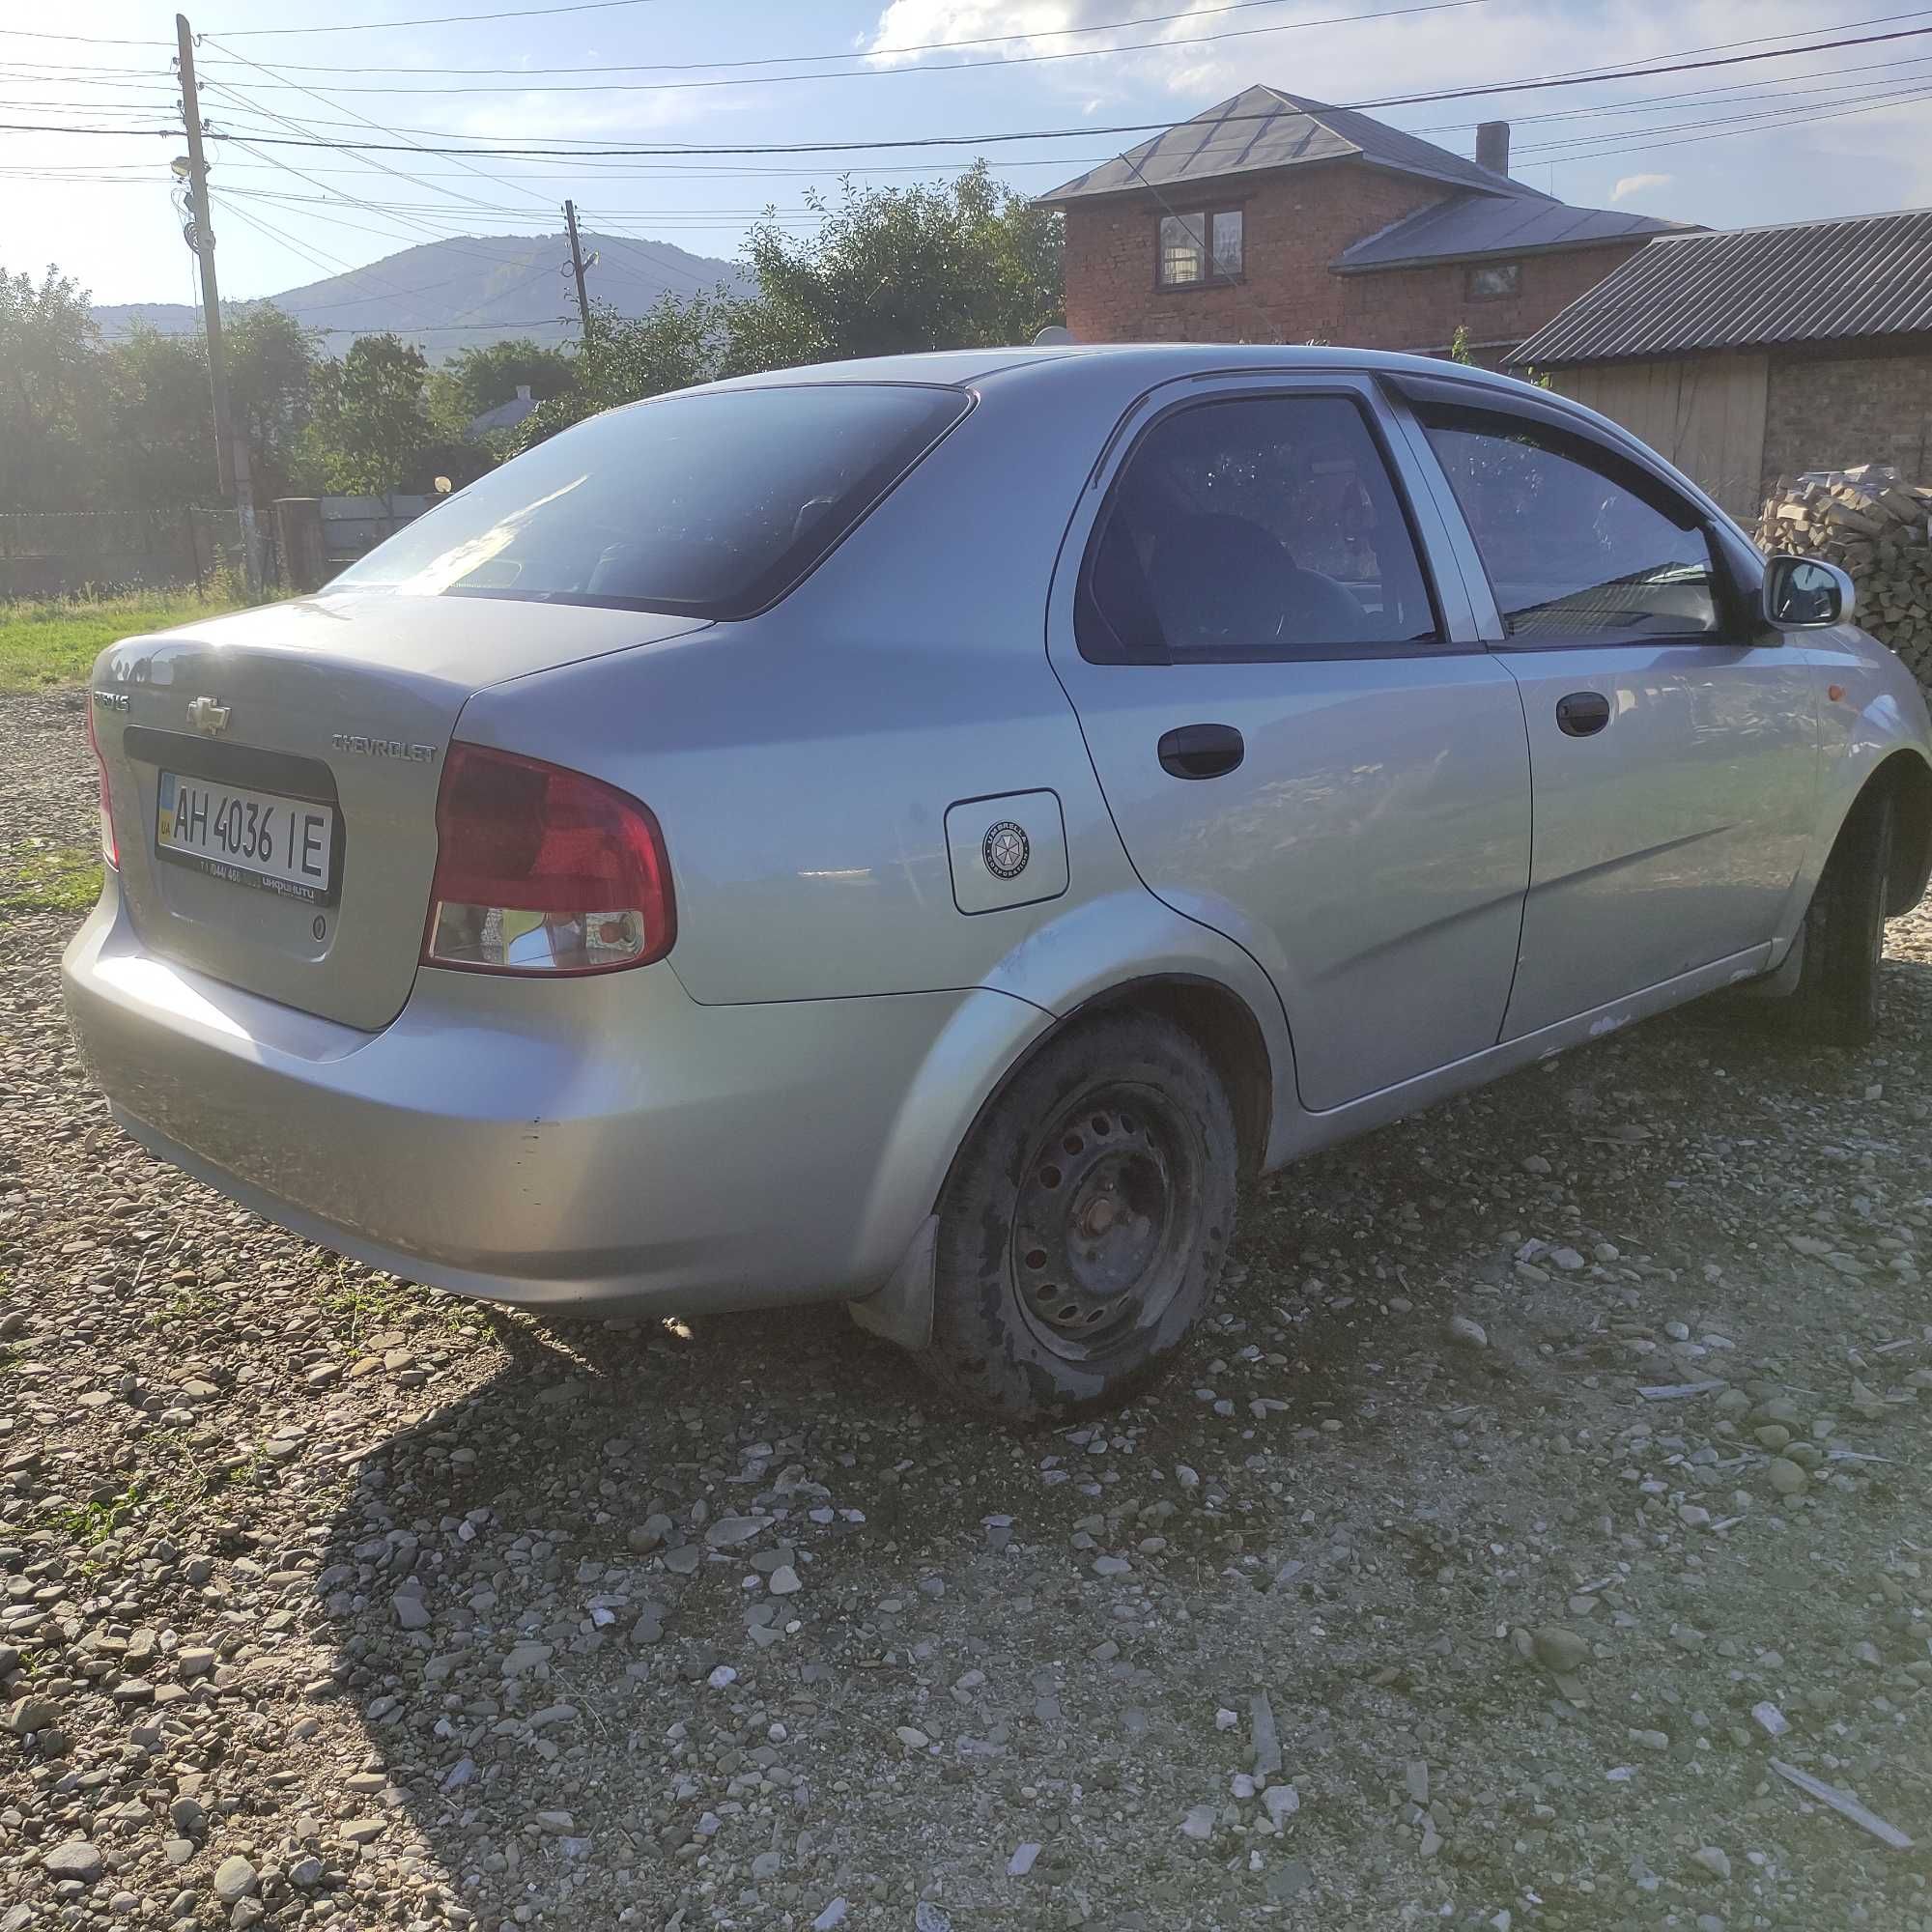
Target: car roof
(1139,365)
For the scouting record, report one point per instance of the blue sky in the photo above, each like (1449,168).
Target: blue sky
(1837,132)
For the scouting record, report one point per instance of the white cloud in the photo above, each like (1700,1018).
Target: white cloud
(1640,184)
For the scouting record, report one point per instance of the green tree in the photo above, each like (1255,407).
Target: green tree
(53,406)
(369,429)
(964,264)
(677,341)
(487,374)
(961,265)
(160,420)
(273,364)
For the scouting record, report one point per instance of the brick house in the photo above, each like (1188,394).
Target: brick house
(1754,354)
(1274,218)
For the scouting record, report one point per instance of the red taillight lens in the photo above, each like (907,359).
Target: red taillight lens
(110,845)
(539,869)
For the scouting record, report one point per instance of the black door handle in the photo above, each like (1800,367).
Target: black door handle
(1582,714)
(1201,750)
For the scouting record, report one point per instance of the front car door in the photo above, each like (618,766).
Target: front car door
(1672,743)
(1303,744)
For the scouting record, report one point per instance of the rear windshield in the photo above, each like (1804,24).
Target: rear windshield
(709,505)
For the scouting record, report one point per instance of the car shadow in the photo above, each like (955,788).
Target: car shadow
(634,1631)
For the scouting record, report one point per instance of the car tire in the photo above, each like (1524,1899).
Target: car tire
(1836,999)
(1085,1223)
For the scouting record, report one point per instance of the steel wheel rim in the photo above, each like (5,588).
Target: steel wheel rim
(1100,1223)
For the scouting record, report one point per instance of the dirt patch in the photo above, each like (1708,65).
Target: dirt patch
(330,1600)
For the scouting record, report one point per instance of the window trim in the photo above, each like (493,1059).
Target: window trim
(1210,213)
(1083,602)
(1548,431)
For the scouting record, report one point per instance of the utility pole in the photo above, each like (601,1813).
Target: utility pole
(230,452)
(577,266)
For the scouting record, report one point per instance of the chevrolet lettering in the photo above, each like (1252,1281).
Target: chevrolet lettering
(359,746)
(921,833)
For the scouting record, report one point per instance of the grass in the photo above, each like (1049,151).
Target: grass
(88,1525)
(39,875)
(366,1304)
(44,644)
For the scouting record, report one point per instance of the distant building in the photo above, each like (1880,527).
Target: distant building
(505,416)
(1270,218)
(1760,352)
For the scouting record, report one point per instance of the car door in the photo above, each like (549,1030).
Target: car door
(1672,744)
(1302,742)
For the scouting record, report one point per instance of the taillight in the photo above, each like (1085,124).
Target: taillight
(539,869)
(110,845)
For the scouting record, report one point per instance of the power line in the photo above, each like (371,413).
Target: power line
(950,67)
(583,150)
(1533,84)
(1625,143)
(439,20)
(378,125)
(507,214)
(872,53)
(1668,65)
(656,261)
(435,327)
(90,40)
(248,147)
(229,89)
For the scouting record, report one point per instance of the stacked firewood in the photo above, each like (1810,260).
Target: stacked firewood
(1879,531)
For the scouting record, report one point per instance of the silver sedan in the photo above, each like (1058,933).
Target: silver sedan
(918,832)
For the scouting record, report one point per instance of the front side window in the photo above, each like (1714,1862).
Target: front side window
(1200,247)
(1576,552)
(711,503)
(1254,527)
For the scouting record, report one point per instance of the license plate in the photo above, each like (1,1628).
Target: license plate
(256,838)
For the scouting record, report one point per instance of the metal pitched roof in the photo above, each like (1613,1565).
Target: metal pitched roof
(1487,224)
(1262,127)
(1801,281)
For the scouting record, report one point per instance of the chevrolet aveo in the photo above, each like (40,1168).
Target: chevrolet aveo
(916,832)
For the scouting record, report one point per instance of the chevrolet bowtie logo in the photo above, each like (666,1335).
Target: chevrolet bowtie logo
(205,715)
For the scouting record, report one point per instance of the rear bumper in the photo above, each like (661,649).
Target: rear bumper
(604,1143)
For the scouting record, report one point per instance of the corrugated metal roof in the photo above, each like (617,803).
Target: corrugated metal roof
(1488,224)
(1262,127)
(1803,281)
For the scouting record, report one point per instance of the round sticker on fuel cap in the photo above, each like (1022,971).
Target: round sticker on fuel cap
(1006,850)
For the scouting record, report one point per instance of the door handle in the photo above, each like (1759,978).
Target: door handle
(1201,750)
(1582,714)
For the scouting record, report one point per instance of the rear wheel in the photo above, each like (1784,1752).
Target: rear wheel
(1836,1000)
(1085,1224)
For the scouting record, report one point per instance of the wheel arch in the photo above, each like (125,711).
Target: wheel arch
(1208,1011)
(1221,1024)
(1906,780)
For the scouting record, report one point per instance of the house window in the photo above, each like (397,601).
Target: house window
(1200,247)
(1494,280)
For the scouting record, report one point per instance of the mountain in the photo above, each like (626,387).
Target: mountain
(444,296)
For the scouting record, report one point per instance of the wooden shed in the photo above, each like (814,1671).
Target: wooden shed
(1760,352)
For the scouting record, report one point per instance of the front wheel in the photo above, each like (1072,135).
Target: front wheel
(1836,999)
(1085,1223)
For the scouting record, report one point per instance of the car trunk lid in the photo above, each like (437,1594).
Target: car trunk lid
(315,733)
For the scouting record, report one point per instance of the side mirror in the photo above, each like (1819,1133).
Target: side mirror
(1805,593)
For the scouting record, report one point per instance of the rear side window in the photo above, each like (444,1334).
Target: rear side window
(1576,551)
(1256,528)
(710,504)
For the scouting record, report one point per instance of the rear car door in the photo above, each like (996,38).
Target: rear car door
(1305,745)
(1673,745)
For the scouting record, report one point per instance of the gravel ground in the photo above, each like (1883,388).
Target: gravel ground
(334,1602)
